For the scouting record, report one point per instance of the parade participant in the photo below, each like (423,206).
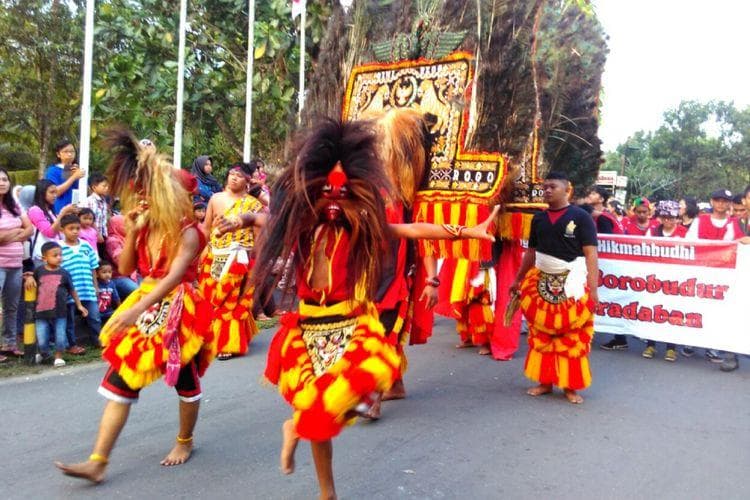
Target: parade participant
(161,328)
(718,225)
(469,299)
(606,222)
(640,222)
(688,211)
(404,145)
(667,211)
(331,356)
(226,265)
(739,212)
(558,275)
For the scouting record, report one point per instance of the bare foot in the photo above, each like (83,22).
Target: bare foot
(374,412)
(539,390)
(93,471)
(288,446)
(397,391)
(573,397)
(179,454)
(465,344)
(484,351)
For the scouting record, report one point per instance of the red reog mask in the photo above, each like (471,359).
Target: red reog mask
(334,190)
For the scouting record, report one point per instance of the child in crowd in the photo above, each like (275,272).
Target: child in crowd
(99,204)
(54,285)
(88,233)
(81,261)
(109,300)
(199,211)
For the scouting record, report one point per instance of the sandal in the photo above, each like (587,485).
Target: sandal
(76,349)
(3,359)
(16,352)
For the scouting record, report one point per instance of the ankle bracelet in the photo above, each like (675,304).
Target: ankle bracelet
(95,457)
(184,440)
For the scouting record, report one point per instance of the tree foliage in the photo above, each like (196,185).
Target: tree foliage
(700,147)
(135,73)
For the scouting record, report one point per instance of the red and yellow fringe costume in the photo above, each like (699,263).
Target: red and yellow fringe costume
(228,290)
(470,304)
(559,336)
(325,381)
(137,353)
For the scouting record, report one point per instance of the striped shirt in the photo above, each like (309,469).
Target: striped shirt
(80,261)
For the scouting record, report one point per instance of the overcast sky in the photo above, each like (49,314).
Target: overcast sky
(665,51)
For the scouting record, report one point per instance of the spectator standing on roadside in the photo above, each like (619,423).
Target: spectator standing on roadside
(202,168)
(54,286)
(99,204)
(43,218)
(81,261)
(64,174)
(115,244)
(15,228)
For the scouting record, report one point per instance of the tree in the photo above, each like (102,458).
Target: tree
(40,74)
(699,148)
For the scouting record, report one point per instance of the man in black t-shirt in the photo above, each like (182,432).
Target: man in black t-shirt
(559,274)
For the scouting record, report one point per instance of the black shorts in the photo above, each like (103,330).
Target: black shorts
(188,386)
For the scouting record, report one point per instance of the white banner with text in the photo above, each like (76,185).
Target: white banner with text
(693,293)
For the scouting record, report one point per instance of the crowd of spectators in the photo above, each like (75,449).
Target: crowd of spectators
(69,249)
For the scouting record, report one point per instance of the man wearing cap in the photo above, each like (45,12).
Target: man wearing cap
(558,275)
(717,225)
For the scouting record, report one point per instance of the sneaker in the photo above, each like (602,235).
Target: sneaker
(649,352)
(687,351)
(614,345)
(38,358)
(59,362)
(713,356)
(671,355)
(730,364)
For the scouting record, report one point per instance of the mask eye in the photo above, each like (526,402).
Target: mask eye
(327,189)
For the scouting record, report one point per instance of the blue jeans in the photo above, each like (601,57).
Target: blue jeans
(125,286)
(10,286)
(94,320)
(43,327)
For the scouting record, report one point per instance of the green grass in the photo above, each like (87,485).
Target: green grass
(15,367)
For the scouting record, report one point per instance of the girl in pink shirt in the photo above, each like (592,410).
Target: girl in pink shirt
(89,233)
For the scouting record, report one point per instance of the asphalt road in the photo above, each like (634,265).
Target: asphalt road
(648,429)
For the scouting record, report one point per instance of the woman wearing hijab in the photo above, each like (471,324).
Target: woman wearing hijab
(207,183)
